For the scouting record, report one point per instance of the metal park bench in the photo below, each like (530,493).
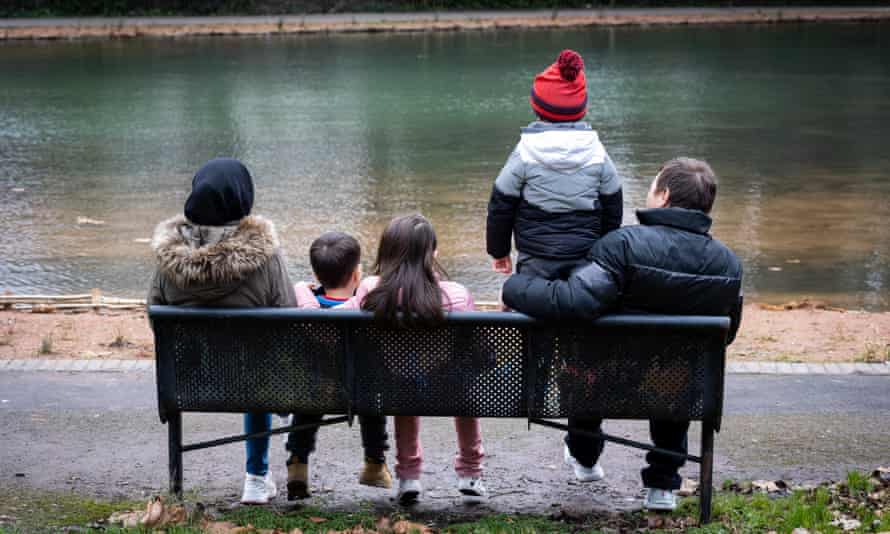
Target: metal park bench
(478,364)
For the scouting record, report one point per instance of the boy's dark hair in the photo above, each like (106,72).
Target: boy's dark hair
(334,257)
(691,183)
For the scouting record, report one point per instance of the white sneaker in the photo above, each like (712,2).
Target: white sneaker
(472,489)
(659,499)
(409,491)
(582,474)
(258,490)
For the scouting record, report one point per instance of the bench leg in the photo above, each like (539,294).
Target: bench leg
(707,471)
(174,436)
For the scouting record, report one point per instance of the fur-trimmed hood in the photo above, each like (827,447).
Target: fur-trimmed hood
(216,268)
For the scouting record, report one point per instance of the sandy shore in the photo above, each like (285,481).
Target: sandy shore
(799,335)
(123,27)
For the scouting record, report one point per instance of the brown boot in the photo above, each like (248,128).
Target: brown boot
(375,475)
(297,481)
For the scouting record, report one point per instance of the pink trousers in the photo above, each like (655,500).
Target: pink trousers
(409,451)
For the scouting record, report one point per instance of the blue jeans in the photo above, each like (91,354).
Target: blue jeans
(257,449)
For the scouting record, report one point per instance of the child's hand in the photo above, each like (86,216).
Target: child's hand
(305,295)
(503,265)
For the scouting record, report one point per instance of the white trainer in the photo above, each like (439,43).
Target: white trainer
(472,489)
(409,491)
(659,499)
(258,490)
(582,474)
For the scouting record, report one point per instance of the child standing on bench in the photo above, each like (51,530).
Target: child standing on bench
(559,191)
(335,259)
(409,280)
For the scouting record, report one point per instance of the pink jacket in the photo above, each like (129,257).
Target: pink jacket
(455,297)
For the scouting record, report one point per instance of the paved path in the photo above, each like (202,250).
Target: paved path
(98,434)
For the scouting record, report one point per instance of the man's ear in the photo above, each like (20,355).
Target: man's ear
(665,198)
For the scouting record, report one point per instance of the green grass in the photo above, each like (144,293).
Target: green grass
(506,524)
(36,512)
(859,483)
(267,518)
(46,345)
(874,353)
(734,513)
(811,510)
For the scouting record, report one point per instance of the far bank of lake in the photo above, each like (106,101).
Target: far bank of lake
(425,21)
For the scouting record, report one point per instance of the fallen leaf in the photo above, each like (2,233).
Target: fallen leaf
(846,523)
(882,474)
(655,521)
(688,488)
(800,531)
(317,520)
(769,486)
(793,261)
(88,221)
(384,525)
(126,519)
(407,527)
(155,515)
(218,527)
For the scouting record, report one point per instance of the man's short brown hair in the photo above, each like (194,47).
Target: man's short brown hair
(691,184)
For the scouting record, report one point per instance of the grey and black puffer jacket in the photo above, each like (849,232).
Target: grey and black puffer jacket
(557,194)
(667,264)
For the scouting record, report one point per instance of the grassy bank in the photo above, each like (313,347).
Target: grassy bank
(861,503)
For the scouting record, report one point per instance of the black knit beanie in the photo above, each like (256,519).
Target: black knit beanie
(222,192)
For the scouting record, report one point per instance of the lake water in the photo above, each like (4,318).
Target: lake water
(343,132)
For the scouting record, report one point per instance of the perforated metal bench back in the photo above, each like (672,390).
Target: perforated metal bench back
(477,364)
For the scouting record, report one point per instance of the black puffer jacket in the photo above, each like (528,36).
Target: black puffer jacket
(666,264)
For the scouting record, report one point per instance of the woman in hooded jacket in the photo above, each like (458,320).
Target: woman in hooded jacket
(218,255)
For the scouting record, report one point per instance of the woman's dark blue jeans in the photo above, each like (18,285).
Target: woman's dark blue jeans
(258,448)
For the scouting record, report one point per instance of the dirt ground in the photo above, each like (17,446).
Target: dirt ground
(796,335)
(121,28)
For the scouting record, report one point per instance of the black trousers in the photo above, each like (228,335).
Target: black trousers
(375,440)
(662,471)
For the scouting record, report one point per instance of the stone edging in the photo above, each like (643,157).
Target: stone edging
(736,368)
(122,27)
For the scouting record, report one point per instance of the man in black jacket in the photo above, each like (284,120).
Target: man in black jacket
(666,264)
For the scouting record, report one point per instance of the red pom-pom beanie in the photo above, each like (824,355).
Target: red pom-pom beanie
(560,92)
